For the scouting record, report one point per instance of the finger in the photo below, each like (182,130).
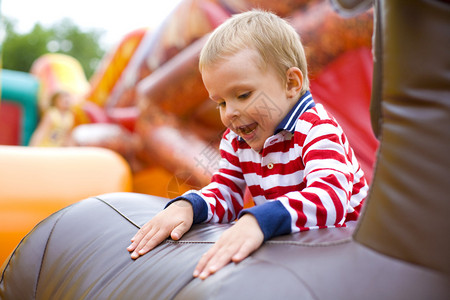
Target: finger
(244,251)
(203,262)
(148,242)
(218,260)
(132,247)
(154,241)
(137,238)
(179,231)
(221,259)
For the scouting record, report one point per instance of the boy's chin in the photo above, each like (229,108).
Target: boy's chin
(254,143)
(255,146)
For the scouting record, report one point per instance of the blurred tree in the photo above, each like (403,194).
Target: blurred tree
(21,50)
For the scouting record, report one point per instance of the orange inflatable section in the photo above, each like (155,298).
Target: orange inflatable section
(36,182)
(104,80)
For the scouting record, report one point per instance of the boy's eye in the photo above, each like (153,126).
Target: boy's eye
(220,104)
(244,95)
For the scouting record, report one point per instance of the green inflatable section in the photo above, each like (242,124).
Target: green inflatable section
(22,88)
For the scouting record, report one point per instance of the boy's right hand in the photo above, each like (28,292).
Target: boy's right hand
(174,221)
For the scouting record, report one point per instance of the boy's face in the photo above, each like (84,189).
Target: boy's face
(252,102)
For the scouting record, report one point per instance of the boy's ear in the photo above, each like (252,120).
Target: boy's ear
(294,82)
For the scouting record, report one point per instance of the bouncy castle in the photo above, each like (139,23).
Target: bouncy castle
(147,103)
(148,113)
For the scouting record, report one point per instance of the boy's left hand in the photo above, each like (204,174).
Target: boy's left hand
(235,244)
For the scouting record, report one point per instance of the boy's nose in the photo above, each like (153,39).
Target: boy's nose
(232,111)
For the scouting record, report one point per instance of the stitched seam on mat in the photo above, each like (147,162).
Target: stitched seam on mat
(118,211)
(187,242)
(45,249)
(9,260)
(294,243)
(303,244)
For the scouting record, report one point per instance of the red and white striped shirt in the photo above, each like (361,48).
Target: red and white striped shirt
(305,177)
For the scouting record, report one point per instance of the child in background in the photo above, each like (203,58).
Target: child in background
(291,154)
(56,124)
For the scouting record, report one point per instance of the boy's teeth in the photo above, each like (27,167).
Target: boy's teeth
(246,130)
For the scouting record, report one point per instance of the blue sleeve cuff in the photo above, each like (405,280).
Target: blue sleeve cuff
(198,204)
(272,217)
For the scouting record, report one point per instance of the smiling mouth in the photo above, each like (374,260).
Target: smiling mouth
(246,129)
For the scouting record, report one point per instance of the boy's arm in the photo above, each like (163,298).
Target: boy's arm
(220,201)
(330,169)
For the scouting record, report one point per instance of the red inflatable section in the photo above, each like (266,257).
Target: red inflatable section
(10,116)
(344,88)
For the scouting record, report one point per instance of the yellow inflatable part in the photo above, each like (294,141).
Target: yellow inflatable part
(35,182)
(56,72)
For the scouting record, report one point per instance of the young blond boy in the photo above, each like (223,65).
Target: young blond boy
(291,154)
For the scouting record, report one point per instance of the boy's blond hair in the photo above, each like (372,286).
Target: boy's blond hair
(276,41)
